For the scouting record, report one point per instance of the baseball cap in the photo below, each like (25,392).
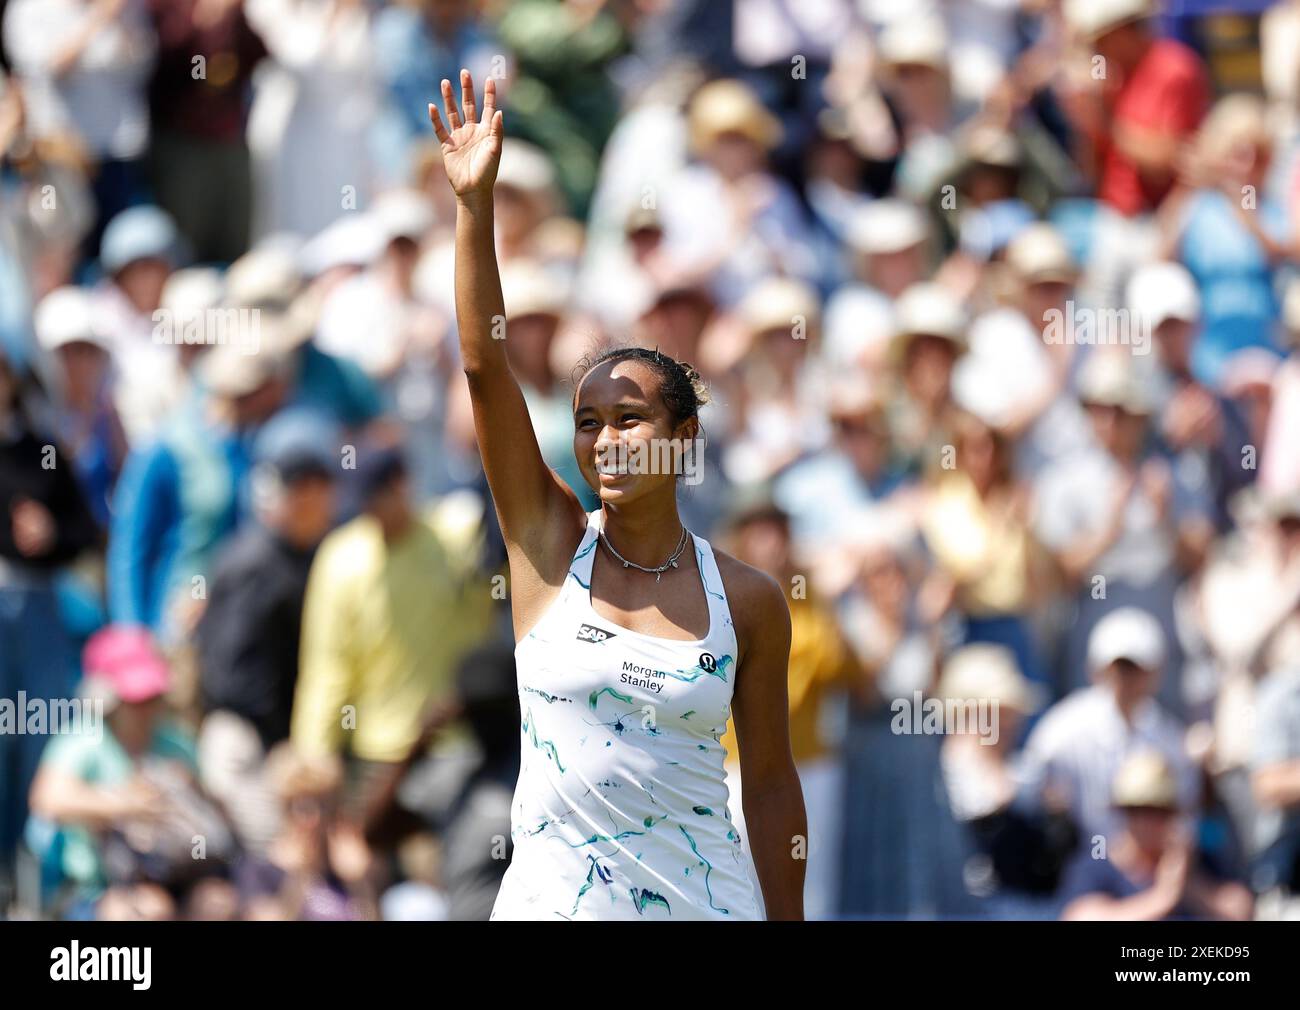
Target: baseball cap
(356,239)
(1091,18)
(729,106)
(298,442)
(776,303)
(66,316)
(887,226)
(920,40)
(229,371)
(139,233)
(1127,633)
(928,309)
(1039,253)
(1109,380)
(1160,291)
(989,672)
(525,167)
(122,663)
(1145,779)
(403,213)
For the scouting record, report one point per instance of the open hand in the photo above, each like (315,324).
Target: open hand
(471,151)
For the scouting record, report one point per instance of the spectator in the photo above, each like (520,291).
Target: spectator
(44,524)
(388,610)
(95,790)
(89,427)
(1150,871)
(199,161)
(178,497)
(1077,748)
(85,66)
(823,670)
(247,638)
(1121,523)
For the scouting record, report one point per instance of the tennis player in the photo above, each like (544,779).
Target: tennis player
(636,641)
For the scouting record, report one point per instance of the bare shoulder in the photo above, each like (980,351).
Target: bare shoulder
(757,602)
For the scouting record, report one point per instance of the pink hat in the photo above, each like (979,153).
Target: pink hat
(123,659)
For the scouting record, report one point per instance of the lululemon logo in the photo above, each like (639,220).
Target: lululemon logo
(707,663)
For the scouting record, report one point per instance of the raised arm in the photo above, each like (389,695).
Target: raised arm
(534,507)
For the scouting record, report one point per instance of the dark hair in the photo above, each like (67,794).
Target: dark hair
(680,385)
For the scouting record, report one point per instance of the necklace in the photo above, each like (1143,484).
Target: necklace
(657,572)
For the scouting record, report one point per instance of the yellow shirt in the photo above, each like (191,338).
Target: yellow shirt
(988,554)
(383,629)
(820,663)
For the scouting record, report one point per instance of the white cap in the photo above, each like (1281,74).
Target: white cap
(266,276)
(526,167)
(920,39)
(229,371)
(988,672)
(1127,633)
(929,309)
(192,291)
(355,239)
(528,290)
(66,316)
(885,226)
(403,213)
(1109,378)
(1090,18)
(1160,291)
(1039,253)
(1145,779)
(778,303)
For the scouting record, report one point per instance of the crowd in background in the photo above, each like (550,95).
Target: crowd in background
(998,305)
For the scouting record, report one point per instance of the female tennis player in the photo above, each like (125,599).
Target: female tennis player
(636,641)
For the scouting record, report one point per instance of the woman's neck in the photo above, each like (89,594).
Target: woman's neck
(647,534)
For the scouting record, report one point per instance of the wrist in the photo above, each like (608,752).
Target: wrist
(475,202)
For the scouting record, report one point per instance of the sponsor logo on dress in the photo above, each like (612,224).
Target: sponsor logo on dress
(587,633)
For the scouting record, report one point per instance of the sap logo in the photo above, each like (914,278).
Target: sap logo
(587,633)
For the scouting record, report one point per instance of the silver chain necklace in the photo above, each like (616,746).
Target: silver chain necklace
(658,573)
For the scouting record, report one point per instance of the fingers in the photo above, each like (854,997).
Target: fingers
(489,99)
(438,128)
(467,103)
(449,106)
(498,128)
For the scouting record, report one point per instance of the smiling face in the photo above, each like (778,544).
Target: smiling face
(625,439)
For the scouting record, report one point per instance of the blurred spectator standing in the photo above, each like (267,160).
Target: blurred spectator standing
(44,523)
(390,605)
(248,637)
(85,66)
(823,670)
(199,161)
(88,422)
(1075,751)
(179,496)
(314,102)
(1151,870)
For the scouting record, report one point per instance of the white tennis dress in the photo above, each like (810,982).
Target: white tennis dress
(621,807)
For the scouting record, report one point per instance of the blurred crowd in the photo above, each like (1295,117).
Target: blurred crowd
(998,304)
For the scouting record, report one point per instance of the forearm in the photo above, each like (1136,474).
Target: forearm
(480,308)
(1278,785)
(1150,905)
(777,827)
